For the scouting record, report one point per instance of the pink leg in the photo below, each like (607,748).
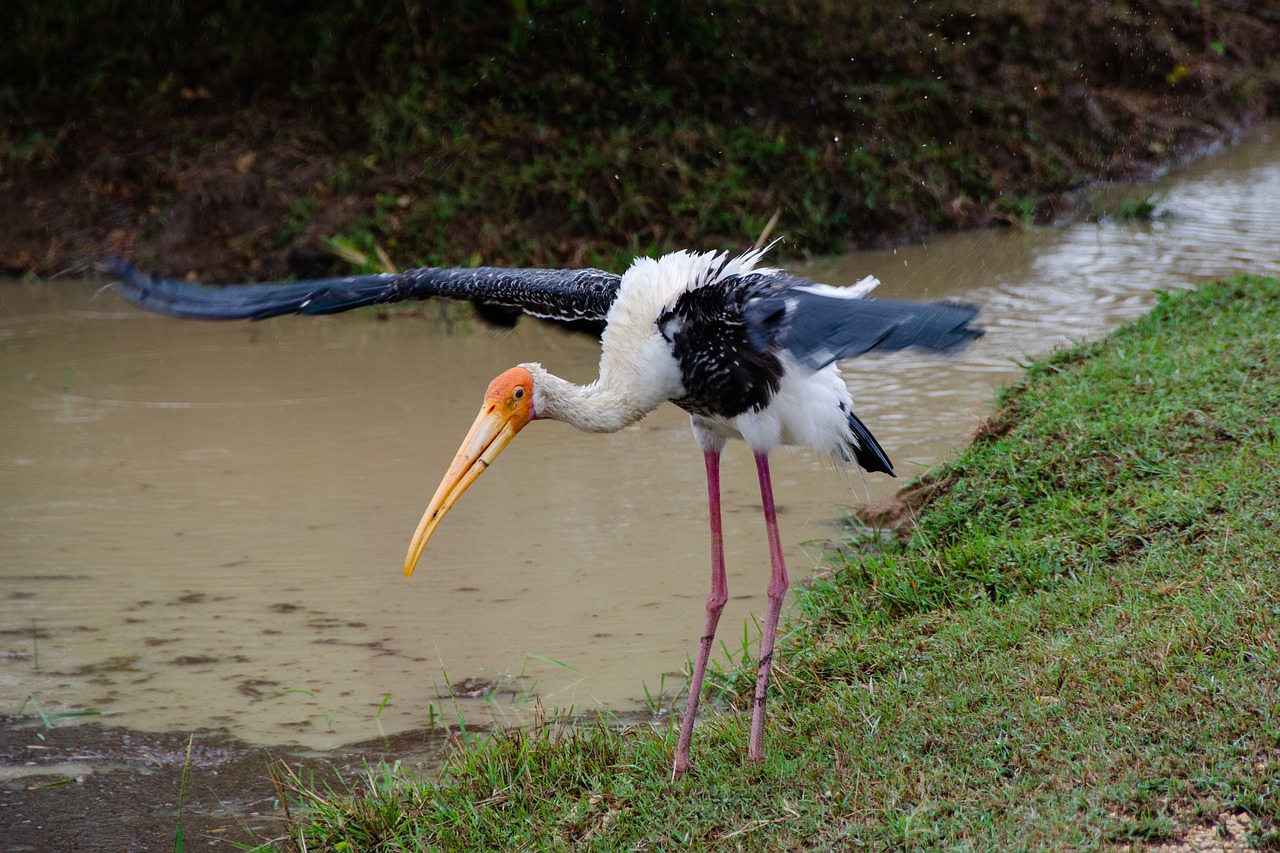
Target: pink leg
(778,583)
(715,604)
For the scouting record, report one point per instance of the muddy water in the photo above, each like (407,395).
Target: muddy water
(202,525)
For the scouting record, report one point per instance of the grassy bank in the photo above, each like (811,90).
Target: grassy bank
(226,139)
(1076,647)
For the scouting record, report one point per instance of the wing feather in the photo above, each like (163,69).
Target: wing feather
(580,298)
(818,327)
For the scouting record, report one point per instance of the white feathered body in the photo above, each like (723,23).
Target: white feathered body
(640,368)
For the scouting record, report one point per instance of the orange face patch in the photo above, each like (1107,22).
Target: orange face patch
(510,394)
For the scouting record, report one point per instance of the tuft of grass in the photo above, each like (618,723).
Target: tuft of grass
(328,720)
(1145,208)
(1076,645)
(48,717)
(179,841)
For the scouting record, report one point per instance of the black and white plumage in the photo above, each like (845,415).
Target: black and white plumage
(734,330)
(749,352)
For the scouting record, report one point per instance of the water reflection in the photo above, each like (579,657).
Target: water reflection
(203,524)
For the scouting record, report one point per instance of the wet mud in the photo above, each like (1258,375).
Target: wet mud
(91,787)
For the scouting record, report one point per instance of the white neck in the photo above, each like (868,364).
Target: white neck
(602,406)
(638,370)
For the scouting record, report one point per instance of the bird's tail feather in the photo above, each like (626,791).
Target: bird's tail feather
(868,453)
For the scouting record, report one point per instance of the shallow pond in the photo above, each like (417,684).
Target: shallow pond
(202,525)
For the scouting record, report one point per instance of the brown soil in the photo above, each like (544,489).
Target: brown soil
(1225,833)
(214,207)
(89,787)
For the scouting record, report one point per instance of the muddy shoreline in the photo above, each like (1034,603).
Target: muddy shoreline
(89,786)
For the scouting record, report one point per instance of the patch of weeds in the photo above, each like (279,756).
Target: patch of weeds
(1146,208)
(302,210)
(49,717)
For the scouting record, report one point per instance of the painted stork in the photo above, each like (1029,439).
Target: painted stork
(749,352)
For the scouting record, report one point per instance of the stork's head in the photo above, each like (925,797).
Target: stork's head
(508,407)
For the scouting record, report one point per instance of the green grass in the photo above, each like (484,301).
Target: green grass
(1145,208)
(328,721)
(1077,647)
(47,718)
(179,839)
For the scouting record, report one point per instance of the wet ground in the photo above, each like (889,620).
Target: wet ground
(90,787)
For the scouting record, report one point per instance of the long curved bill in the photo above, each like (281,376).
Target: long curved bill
(503,415)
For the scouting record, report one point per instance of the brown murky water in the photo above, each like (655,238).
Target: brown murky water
(203,525)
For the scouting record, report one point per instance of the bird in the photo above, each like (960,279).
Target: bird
(749,351)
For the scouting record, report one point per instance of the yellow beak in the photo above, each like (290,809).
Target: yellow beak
(508,407)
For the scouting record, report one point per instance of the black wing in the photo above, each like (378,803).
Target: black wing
(723,371)
(817,324)
(579,298)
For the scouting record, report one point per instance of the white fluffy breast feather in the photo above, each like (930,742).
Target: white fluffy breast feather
(806,411)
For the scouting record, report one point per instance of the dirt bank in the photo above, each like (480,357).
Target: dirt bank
(547,141)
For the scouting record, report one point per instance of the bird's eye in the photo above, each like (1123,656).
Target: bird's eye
(519,393)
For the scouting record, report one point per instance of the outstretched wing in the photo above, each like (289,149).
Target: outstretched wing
(579,298)
(729,333)
(818,324)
